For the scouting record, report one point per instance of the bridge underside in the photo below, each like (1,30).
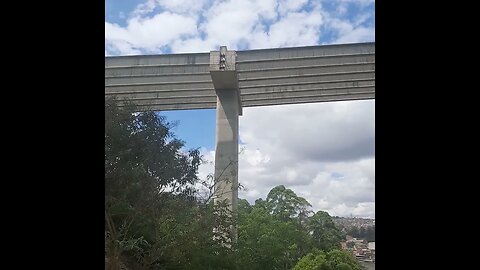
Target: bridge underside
(265,77)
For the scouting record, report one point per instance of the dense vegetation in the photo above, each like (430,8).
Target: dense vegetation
(156,218)
(363,233)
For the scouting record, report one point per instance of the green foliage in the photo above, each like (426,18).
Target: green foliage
(284,204)
(338,258)
(363,233)
(325,234)
(272,233)
(344,266)
(265,242)
(154,218)
(277,232)
(333,260)
(312,261)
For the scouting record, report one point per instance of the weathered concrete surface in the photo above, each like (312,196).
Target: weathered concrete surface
(224,78)
(226,149)
(264,77)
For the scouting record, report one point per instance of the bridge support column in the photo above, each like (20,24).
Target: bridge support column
(229,107)
(226,151)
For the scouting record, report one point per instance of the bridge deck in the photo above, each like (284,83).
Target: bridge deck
(265,77)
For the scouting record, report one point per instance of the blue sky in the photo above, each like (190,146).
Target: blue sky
(292,145)
(195,127)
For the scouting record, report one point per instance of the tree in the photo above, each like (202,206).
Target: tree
(267,238)
(370,234)
(333,260)
(362,232)
(343,266)
(312,261)
(155,218)
(149,190)
(325,234)
(284,204)
(265,242)
(243,209)
(354,232)
(337,259)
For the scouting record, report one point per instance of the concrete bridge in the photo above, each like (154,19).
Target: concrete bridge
(230,80)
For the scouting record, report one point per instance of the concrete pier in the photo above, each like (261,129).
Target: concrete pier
(225,81)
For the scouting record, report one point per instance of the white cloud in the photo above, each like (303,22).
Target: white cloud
(295,29)
(233,23)
(229,21)
(192,45)
(348,32)
(361,210)
(150,34)
(144,8)
(342,184)
(182,6)
(207,167)
(361,18)
(256,157)
(273,137)
(156,26)
(358,2)
(361,34)
(324,131)
(119,46)
(285,6)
